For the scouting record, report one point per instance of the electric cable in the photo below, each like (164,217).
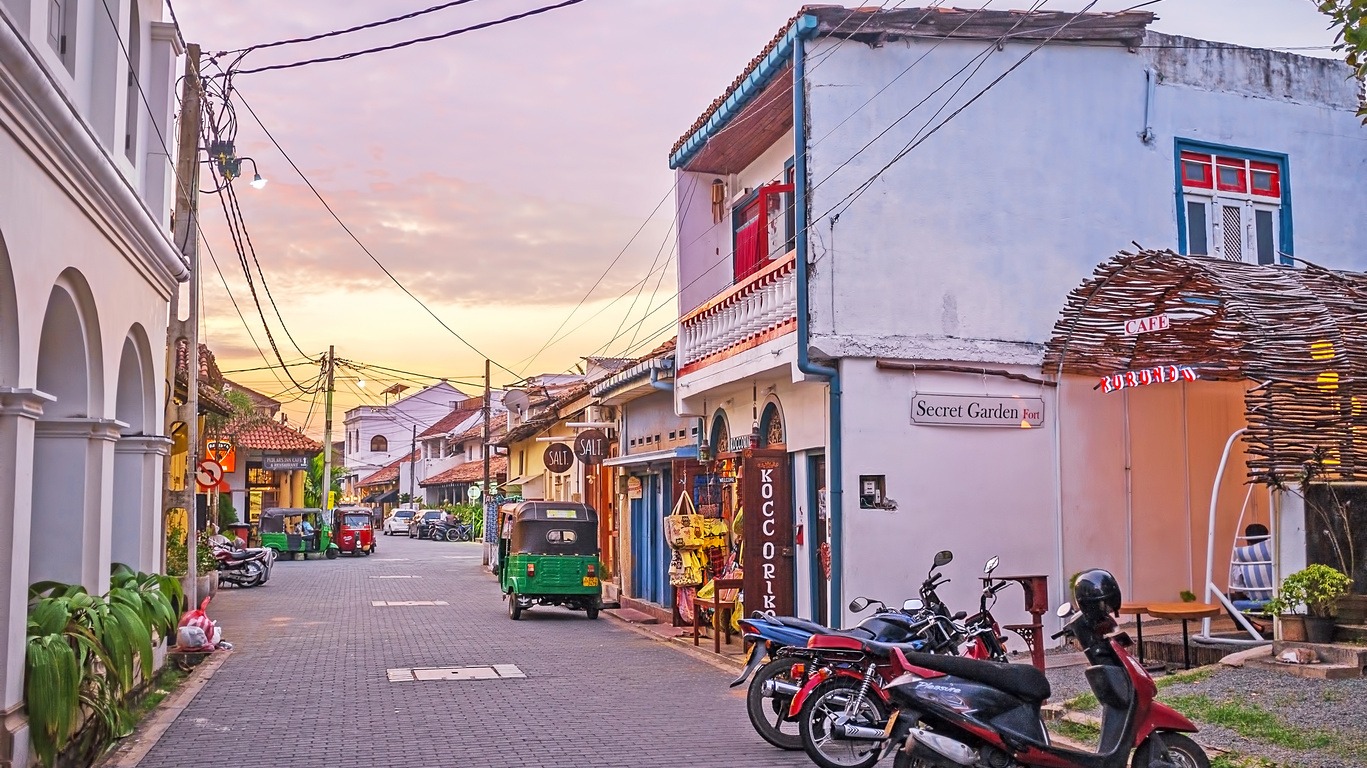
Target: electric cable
(414,41)
(357,240)
(247,238)
(348,30)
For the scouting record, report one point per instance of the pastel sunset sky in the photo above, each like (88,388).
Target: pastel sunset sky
(497,173)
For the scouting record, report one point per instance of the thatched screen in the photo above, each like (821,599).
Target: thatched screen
(1297,335)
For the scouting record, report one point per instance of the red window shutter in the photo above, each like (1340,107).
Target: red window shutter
(1265,179)
(1196,170)
(1231,174)
(748,248)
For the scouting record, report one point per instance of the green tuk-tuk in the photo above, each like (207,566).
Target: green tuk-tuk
(296,530)
(548,555)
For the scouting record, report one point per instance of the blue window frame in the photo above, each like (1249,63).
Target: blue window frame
(1237,215)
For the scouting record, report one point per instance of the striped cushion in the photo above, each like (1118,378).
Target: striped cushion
(1252,570)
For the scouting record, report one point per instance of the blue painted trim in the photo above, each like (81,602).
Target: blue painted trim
(835,452)
(803,28)
(1283,161)
(813,565)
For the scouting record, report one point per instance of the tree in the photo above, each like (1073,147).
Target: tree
(1349,17)
(313,481)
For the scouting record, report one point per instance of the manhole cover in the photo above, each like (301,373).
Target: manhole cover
(405,603)
(485,672)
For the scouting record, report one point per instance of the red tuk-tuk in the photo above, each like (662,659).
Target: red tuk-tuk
(354,530)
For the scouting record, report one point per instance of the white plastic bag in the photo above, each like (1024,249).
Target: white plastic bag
(191,638)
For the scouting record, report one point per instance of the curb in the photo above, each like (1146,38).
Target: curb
(134,748)
(697,653)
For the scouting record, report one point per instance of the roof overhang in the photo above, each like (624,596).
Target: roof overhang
(683,452)
(1297,335)
(636,381)
(772,114)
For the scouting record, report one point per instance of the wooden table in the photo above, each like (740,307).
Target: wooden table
(1184,612)
(1036,589)
(723,623)
(1137,610)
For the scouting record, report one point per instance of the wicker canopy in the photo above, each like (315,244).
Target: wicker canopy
(1298,336)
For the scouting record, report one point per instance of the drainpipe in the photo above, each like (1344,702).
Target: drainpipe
(666,386)
(835,464)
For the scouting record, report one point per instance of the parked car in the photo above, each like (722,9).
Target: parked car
(397,522)
(420,527)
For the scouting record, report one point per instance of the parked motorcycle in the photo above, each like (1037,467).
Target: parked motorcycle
(949,711)
(778,670)
(846,697)
(243,567)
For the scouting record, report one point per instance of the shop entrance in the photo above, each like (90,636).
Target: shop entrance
(816,545)
(649,560)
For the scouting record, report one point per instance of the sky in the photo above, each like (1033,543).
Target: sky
(496,174)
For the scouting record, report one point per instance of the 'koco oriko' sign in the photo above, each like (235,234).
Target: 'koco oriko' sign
(977,411)
(766,495)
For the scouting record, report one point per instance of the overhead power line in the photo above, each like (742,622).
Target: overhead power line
(357,240)
(348,30)
(415,41)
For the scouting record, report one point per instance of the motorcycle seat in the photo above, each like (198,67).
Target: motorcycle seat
(803,625)
(1020,680)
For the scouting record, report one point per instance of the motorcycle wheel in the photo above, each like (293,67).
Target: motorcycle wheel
(453,535)
(1182,752)
(767,712)
(824,705)
(254,574)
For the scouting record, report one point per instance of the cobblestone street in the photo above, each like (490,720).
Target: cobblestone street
(307,683)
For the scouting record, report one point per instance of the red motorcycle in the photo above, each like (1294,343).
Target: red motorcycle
(843,706)
(961,712)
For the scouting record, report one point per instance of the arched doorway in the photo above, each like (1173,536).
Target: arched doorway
(69,442)
(771,429)
(134,534)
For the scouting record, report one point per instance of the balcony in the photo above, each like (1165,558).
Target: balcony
(757,309)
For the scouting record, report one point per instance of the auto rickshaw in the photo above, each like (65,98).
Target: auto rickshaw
(548,555)
(285,531)
(354,530)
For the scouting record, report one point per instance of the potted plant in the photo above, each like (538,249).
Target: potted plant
(1317,590)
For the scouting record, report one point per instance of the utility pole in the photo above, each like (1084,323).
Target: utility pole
(413,470)
(185,229)
(486,497)
(326,480)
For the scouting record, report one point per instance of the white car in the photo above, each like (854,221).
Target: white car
(397,523)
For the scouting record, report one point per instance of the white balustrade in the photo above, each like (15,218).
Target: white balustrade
(765,301)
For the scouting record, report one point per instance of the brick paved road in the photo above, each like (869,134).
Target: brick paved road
(307,685)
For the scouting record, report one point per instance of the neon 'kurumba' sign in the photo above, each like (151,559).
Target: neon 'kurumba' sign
(1156,375)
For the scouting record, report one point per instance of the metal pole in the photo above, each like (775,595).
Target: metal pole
(325,482)
(186,233)
(486,497)
(413,470)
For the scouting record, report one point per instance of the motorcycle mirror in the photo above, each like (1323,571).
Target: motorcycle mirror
(858,604)
(992,564)
(1064,611)
(943,557)
(913,605)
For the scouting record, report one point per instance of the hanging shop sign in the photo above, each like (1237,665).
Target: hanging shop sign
(976,411)
(1147,325)
(768,530)
(222,452)
(1156,375)
(591,446)
(284,463)
(558,458)
(737,443)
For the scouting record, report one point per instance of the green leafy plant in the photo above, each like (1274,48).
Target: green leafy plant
(88,652)
(1316,589)
(1349,17)
(177,556)
(227,513)
(205,562)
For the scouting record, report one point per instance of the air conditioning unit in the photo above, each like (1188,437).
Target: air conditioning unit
(600,413)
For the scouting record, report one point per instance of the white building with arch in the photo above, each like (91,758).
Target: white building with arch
(87,271)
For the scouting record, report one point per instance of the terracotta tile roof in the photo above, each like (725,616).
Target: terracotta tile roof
(454,419)
(389,472)
(527,429)
(497,429)
(264,435)
(469,472)
(735,84)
